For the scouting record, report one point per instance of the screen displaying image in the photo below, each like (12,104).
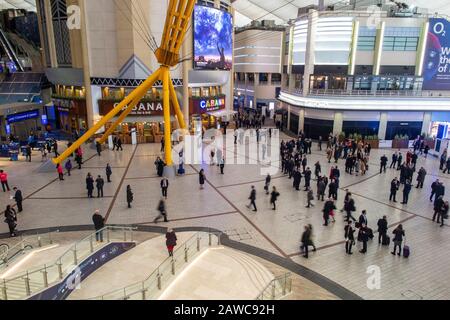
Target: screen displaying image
(213,47)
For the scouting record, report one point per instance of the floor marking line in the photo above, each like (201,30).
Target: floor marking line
(192,218)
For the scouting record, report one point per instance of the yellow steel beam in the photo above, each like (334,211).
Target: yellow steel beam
(187,17)
(176,105)
(139,92)
(166,105)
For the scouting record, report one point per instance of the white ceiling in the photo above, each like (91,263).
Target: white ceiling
(283,10)
(29,5)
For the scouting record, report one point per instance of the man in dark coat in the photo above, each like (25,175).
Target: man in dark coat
(406,191)
(108,172)
(328,207)
(252,199)
(164,186)
(382,228)
(99,223)
(395,184)
(421,177)
(162,211)
(99,184)
(89,185)
(332,190)
(308,175)
(18,198)
(321,189)
(98,147)
(297,179)
(434,187)
(394,160)
(349,207)
(383,163)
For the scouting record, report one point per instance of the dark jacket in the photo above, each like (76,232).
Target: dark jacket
(18,196)
(108,171)
(274,196)
(98,220)
(90,183)
(10,216)
(164,183)
(100,183)
(306,236)
(201,178)
(362,220)
(252,195)
(129,196)
(349,233)
(399,234)
(171,239)
(382,226)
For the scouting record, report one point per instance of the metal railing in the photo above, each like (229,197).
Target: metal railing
(154,284)
(26,243)
(35,280)
(377,93)
(278,288)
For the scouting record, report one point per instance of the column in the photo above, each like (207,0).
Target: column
(288,125)
(301,120)
(91,116)
(291,82)
(383,125)
(426,122)
(421,48)
(186,50)
(310,48)
(378,49)
(50,34)
(338,122)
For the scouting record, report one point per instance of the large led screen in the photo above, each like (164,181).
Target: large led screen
(436,69)
(213,42)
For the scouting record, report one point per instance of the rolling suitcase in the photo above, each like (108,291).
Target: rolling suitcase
(386,240)
(406,251)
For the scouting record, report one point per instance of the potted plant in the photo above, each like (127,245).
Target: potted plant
(373,141)
(342,137)
(400,142)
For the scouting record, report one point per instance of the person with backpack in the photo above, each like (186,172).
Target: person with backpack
(273,197)
(382,231)
(399,233)
(130,196)
(68,166)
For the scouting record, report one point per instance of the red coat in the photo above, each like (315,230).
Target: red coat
(59,169)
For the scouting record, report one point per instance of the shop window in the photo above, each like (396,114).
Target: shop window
(263,78)
(276,78)
(400,43)
(205,92)
(251,77)
(319,82)
(366,43)
(195,92)
(364,128)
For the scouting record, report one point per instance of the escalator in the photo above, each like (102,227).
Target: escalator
(6,45)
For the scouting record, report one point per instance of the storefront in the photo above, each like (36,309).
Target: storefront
(68,115)
(21,122)
(147,118)
(203,108)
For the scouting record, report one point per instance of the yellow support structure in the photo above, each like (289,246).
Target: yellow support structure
(179,13)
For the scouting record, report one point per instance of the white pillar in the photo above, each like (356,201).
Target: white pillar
(383,126)
(301,120)
(338,122)
(310,48)
(288,125)
(426,122)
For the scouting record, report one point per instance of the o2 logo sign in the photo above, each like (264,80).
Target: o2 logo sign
(439,29)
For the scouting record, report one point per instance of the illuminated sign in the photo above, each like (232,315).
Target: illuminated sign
(22,116)
(145,108)
(199,106)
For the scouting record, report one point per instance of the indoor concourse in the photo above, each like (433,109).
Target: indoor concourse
(222,205)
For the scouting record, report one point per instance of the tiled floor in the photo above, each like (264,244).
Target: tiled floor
(222,205)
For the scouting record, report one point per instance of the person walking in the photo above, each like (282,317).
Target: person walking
(349,207)
(28,153)
(306,239)
(11,220)
(383,164)
(252,199)
(201,178)
(79,158)
(164,186)
(444,213)
(438,203)
(119,144)
(382,230)
(267,183)
(399,233)
(406,191)
(171,241)
(4,180)
(349,237)
(162,211)
(55,149)
(108,173)
(60,171)
(18,198)
(447,166)
(99,184)
(310,198)
(274,197)
(222,165)
(99,224)
(421,177)
(68,166)
(159,163)
(89,185)
(98,147)
(327,209)
(130,196)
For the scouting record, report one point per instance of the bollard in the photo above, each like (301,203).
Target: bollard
(39,242)
(273,291)
(143,291)
(60,270)
(173,266)
(210,239)
(185,254)
(50,238)
(45,275)
(27,285)
(91,242)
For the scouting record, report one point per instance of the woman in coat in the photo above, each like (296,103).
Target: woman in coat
(349,237)
(129,196)
(273,198)
(201,178)
(11,220)
(159,166)
(59,169)
(171,241)
(399,233)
